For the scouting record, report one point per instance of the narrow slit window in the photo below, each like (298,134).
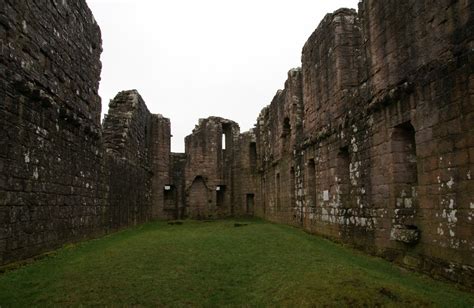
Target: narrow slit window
(253,155)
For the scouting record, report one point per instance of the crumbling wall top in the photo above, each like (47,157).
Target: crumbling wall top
(127,127)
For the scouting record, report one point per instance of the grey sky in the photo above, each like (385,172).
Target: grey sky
(193,59)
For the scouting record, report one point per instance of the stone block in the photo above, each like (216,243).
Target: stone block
(405,234)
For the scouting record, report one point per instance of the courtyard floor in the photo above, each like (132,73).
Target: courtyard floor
(215,264)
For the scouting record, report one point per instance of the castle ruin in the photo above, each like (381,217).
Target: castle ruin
(370,143)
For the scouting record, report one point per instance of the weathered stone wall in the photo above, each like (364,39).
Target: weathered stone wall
(127,128)
(209,169)
(160,165)
(421,115)
(52,186)
(127,140)
(384,158)
(175,197)
(333,144)
(61,179)
(246,181)
(331,62)
(141,140)
(278,132)
(370,141)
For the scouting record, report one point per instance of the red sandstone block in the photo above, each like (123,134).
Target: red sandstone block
(429,164)
(454,127)
(428,202)
(471,155)
(445,145)
(461,158)
(460,142)
(426,178)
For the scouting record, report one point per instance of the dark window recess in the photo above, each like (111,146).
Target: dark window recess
(250,204)
(169,197)
(253,155)
(220,195)
(286,128)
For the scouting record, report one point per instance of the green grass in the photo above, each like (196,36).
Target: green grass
(217,264)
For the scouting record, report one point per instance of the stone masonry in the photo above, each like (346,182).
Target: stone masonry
(370,142)
(63,176)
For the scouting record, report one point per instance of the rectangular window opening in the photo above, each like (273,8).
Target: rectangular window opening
(253,155)
(250,204)
(220,195)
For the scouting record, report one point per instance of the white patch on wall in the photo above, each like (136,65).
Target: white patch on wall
(440,229)
(326,195)
(450,183)
(354,172)
(349,19)
(452,216)
(354,145)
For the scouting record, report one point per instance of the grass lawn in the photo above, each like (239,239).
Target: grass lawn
(218,264)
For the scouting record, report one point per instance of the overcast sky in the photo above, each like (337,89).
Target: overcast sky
(194,59)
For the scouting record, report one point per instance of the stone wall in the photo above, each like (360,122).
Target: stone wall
(210,168)
(160,165)
(369,143)
(52,171)
(62,177)
(333,137)
(175,196)
(278,133)
(127,141)
(384,157)
(420,110)
(134,136)
(246,183)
